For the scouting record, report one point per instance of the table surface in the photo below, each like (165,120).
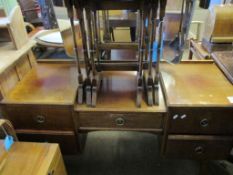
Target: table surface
(56,83)
(118,93)
(196,84)
(26,158)
(185,84)
(46,83)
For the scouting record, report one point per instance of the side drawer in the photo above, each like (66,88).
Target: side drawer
(41,117)
(66,140)
(195,120)
(198,147)
(124,121)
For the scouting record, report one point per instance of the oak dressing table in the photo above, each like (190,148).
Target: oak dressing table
(194,116)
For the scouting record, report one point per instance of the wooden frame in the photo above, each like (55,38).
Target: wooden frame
(11,23)
(11,76)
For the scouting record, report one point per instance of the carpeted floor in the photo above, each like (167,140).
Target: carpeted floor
(131,153)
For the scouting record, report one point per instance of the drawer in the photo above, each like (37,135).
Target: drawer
(198,147)
(197,120)
(41,117)
(124,121)
(66,140)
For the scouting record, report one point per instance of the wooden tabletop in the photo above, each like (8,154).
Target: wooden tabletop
(118,93)
(195,84)
(47,83)
(185,84)
(27,158)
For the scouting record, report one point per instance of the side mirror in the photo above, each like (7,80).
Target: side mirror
(204,4)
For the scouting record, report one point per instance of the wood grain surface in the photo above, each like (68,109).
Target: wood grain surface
(32,158)
(195,84)
(46,84)
(118,93)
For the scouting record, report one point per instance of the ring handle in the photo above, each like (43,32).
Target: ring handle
(120,121)
(204,122)
(40,119)
(199,150)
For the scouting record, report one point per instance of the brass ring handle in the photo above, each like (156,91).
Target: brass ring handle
(199,150)
(120,121)
(204,122)
(40,119)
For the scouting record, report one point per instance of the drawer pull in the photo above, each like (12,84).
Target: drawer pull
(199,150)
(120,121)
(204,122)
(175,116)
(183,116)
(40,119)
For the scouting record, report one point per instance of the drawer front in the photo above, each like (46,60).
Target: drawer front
(127,121)
(40,117)
(198,147)
(66,140)
(201,121)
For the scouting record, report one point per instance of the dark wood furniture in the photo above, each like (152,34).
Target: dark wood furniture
(194,115)
(199,112)
(116,108)
(40,106)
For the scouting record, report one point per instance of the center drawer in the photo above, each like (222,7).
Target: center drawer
(197,120)
(120,121)
(41,117)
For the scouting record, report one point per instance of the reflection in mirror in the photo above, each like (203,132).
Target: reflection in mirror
(65,28)
(120,27)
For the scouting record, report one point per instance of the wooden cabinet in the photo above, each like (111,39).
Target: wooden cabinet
(25,158)
(200,116)
(41,105)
